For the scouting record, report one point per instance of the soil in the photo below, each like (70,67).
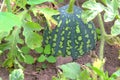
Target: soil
(38,71)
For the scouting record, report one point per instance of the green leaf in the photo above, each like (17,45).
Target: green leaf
(88,15)
(39,50)
(21,3)
(93,8)
(109,15)
(8,62)
(33,2)
(92,5)
(51,59)
(84,75)
(25,49)
(49,12)
(33,40)
(17,74)
(42,58)
(14,38)
(2,35)
(8,21)
(60,1)
(71,70)
(115,74)
(111,11)
(119,3)
(115,30)
(20,57)
(29,59)
(99,72)
(47,49)
(32,26)
(12,45)
(5,46)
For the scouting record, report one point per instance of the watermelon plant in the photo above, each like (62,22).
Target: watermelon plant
(74,71)
(16,74)
(110,7)
(71,36)
(46,55)
(20,33)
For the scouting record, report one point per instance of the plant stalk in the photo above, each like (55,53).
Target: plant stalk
(103,34)
(8,5)
(2,5)
(71,5)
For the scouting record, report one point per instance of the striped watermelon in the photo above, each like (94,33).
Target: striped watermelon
(71,36)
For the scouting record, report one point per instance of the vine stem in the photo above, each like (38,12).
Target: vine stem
(103,35)
(2,5)
(71,5)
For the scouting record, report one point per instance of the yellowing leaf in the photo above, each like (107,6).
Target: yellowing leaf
(48,13)
(98,63)
(33,40)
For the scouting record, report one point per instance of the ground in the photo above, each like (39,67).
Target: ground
(36,72)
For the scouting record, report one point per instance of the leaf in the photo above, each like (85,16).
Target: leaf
(115,74)
(92,5)
(5,46)
(47,49)
(32,26)
(33,2)
(119,3)
(109,15)
(42,58)
(8,21)
(2,35)
(39,50)
(29,59)
(32,38)
(8,62)
(25,49)
(51,59)
(71,70)
(21,3)
(48,13)
(113,40)
(84,75)
(93,8)
(12,41)
(115,30)
(14,38)
(99,72)
(60,1)
(88,15)
(111,11)
(17,74)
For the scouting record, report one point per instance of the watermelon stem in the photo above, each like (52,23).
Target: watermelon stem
(71,5)
(103,36)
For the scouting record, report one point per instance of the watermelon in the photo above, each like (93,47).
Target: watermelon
(71,36)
